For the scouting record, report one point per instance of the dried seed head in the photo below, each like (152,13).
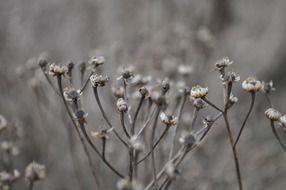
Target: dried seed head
(168,119)
(282,121)
(122,105)
(43,63)
(188,139)
(126,72)
(139,80)
(56,70)
(231,77)
(144,91)
(118,91)
(185,70)
(35,172)
(199,92)
(137,144)
(80,116)
(10,147)
(232,99)
(165,86)
(71,94)
(102,134)
(126,184)
(251,84)
(8,178)
(98,80)
(267,87)
(3,123)
(96,61)
(223,63)
(272,114)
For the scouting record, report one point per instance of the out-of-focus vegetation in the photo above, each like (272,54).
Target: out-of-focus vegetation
(156,37)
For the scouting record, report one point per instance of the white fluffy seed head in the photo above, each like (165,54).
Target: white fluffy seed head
(198,91)
(251,84)
(122,105)
(272,114)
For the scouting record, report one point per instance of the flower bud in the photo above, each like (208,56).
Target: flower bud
(198,91)
(251,84)
(272,114)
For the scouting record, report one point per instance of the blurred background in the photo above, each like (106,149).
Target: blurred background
(156,36)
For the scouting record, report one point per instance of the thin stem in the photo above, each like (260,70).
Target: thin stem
(146,123)
(151,143)
(246,118)
(136,114)
(173,141)
(195,115)
(105,117)
(82,127)
(123,125)
(59,79)
(277,136)
(86,82)
(211,104)
(103,147)
(230,137)
(31,184)
(155,145)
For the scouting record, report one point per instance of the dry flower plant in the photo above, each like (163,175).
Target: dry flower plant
(149,120)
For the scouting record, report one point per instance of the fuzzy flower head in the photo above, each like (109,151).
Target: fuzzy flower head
(57,70)
(168,119)
(94,62)
(185,70)
(188,139)
(223,63)
(267,87)
(126,72)
(272,114)
(199,92)
(98,80)
(80,116)
(118,91)
(282,121)
(251,84)
(3,123)
(144,91)
(35,172)
(71,94)
(122,105)
(102,134)
(232,99)
(231,77)
(137,144)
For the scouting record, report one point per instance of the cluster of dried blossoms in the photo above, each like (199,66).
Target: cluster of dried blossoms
(9,150)
(141,103)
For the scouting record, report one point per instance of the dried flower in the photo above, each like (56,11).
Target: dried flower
(251,84)
(282,120)
(272,114)
(126,184)
(139,80)
(122,105)
(10,147)
(168,119)
(165,86)
(267,87)
(223,63)
(231,77)
(98,80)
(137,144)
(126,72)
(232,99)
(102,134)
(80,116)
(56,70)
(3,123)
(199,92)
(188,139)
(71,94)
(35,171)
(144,91)
(96,61)
(8,178)
(185,70)
(118,91)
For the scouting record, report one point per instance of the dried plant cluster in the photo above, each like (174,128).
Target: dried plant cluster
(147,123)
(10,149)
